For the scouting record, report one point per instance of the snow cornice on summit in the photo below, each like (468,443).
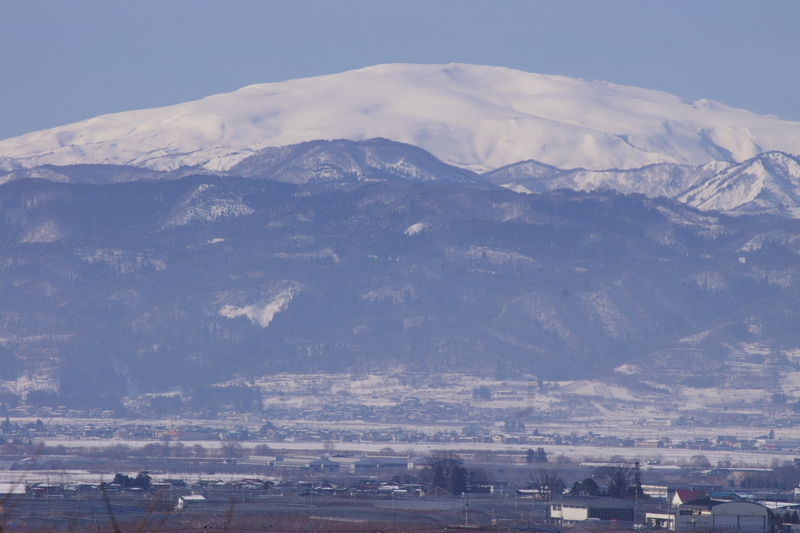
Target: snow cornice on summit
(476,117)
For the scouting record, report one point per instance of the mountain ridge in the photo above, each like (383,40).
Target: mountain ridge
(155,284)
(768,184)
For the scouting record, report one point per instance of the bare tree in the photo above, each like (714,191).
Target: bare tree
(262,449)
(179,450)
(546,483)
(165,439)
(478,477)
(621,480)
(700,461)
(231,449)
(445,470)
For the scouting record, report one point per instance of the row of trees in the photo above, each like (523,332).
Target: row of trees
(166,448)
(447,470)
(206,399)
(538,456)
(617,481)
(786,518)
(784,477)
(141,481)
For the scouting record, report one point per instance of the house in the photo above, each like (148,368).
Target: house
(474,430)
(437,491)
(666,491)
(683,495)
(189,501)
(327,487)
(719,514)
(577,509)
(730,495)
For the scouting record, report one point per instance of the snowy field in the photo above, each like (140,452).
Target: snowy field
(570,408)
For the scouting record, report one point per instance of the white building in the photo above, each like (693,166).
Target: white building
(576,509)
(189,501)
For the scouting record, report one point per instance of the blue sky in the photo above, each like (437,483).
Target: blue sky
(61,62)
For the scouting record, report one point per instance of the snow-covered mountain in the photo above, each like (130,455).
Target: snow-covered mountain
(341,160)
(475,117)
(769,183)
(334,163)
(766,184)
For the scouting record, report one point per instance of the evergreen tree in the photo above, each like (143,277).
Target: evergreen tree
(457,482)
(439,479)
(446,470)
(540,456)
(143,481)
(530,455)
(587,487)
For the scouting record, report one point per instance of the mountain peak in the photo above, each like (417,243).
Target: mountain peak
(768,183)
(475,117)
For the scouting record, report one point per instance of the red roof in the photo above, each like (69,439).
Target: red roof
(688,495)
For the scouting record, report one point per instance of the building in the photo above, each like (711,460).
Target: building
(576,509)
(777,444)
(667,491)
(334,463)
(660,520)
(683,496)
(189,501)
(718,514)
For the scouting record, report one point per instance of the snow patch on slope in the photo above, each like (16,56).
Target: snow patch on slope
(414,229)
(326,253)
(541,310)
(207,202)
(45,232)
(261,314)
(614,322)
(779,237)
(396,295)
